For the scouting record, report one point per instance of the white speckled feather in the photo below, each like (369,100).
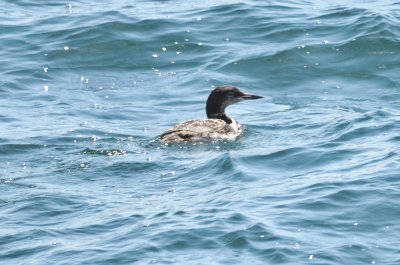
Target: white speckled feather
(200,130)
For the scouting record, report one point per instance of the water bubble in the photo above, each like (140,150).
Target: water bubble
(200,43)
(227,39)
(66,48)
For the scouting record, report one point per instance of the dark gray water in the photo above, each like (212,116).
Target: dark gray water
(86,88)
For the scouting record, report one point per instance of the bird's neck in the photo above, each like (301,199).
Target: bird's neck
(216,110)
(221,116)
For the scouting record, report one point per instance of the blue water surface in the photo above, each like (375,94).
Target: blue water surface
(86,88)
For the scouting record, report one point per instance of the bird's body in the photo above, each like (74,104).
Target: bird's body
(201,130)
(218,126)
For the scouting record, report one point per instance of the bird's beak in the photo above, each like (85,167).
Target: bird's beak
(247,96)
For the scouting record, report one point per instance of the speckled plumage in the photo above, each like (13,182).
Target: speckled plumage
(200,130)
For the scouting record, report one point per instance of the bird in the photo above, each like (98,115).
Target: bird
(217,126)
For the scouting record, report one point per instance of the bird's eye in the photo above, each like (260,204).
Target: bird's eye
(231,94)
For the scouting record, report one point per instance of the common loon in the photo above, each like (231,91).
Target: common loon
(217,126)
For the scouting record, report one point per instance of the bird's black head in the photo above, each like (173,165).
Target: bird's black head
(223,96)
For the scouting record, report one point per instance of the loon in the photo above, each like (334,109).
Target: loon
(217,126)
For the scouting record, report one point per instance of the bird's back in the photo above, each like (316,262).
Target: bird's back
(201,130)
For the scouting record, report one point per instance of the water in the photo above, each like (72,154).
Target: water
(86,88)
